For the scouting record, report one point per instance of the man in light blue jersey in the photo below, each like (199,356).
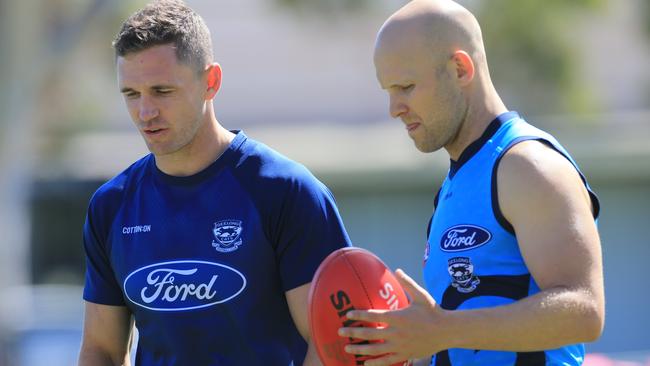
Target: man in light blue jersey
(513,266)
(210,242)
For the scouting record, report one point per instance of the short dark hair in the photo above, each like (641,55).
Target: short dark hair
(167,22)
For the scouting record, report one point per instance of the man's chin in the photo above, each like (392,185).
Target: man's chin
(425,148)
(159,150)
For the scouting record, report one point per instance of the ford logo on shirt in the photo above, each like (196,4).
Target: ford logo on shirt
(183,285)
(464,237)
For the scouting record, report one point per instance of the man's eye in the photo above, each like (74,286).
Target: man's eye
(408,87)
(131,95)
(164,91)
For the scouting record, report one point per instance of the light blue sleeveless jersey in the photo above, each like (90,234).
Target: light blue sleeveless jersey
(472,258)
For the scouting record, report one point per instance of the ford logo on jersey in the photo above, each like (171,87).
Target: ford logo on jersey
(464,237)
(183,285)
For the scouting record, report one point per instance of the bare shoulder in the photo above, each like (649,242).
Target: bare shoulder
(535,159)
(533,174)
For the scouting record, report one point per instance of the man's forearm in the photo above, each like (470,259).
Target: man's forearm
(311,358)
(98,358)
(546,320)
(94,359)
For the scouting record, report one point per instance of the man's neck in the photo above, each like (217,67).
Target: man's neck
(475,123)
(210,143)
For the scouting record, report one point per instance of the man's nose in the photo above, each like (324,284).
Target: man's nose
(148,109)
(397,107)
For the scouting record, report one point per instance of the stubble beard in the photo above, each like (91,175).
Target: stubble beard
(432,141)
(178,143)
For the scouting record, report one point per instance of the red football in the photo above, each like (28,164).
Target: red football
(349,278)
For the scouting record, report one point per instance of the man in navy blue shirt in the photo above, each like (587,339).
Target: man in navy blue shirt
(210,242)
(513,266)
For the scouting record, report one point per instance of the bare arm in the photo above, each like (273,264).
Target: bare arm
(297,300)
(541,194)
(106,336)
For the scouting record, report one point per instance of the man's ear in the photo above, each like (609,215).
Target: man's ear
(213,72)
(464,66)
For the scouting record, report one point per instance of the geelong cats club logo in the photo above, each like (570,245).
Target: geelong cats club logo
(227,235)
(462,275)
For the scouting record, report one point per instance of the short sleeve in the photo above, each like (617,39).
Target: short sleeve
(101,286)
(298,212)
(309,229)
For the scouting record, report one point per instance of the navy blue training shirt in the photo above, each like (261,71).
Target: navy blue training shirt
(203,262)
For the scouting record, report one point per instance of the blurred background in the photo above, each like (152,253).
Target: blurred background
(298,75)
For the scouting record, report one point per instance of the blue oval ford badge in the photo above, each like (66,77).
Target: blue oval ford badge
(464,237)
(183,285)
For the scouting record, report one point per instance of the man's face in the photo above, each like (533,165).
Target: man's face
(423,93)
(165,98)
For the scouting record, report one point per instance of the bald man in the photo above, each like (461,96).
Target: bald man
(513,266)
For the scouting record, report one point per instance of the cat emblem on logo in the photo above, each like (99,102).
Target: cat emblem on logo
(462,274)
(227,235)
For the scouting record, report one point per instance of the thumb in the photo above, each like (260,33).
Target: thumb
(415,291)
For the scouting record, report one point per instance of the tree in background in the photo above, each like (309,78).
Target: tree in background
(534,46)
(530,44)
